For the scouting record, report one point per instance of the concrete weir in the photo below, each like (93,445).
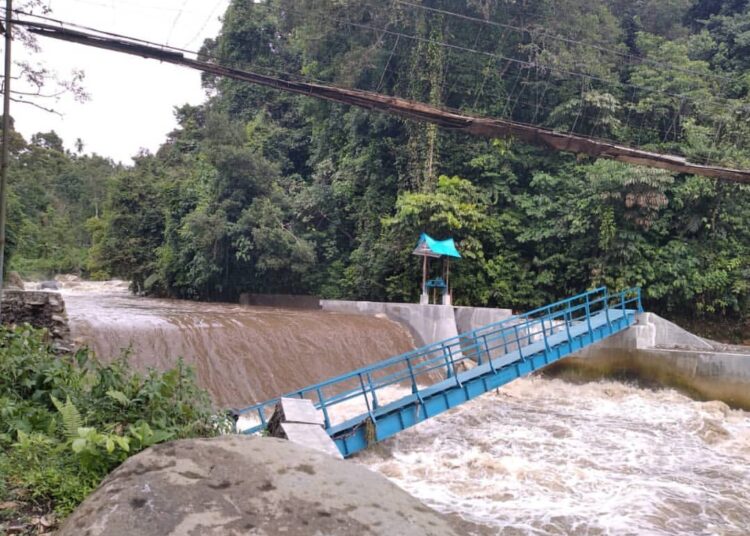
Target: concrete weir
(426,323)
(659,353)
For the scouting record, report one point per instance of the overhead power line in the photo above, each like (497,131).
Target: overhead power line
(520,62)
(478,126)
(567,40)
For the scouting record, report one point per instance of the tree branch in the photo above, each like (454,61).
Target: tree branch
(35,105)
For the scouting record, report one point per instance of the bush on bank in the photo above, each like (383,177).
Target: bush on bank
(66,421)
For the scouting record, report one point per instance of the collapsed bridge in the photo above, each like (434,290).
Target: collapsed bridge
(368,405)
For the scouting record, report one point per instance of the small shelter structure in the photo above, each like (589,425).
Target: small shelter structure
(429,248)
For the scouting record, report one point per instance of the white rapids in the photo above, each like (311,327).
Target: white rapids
(547,457)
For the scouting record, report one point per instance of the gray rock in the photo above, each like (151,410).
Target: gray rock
(250,485)
(49,285)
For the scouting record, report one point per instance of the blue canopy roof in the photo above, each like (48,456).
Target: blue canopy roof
(428,246)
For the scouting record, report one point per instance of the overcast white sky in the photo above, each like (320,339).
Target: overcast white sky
(132,99)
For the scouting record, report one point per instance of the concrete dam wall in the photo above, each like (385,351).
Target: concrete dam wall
(654,352)
(657,352)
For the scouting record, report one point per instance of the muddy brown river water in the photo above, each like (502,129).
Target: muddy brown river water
(539,457)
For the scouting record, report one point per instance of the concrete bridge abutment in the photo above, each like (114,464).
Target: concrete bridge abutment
(656,352)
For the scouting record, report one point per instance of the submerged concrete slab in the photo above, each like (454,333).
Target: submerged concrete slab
(297,420)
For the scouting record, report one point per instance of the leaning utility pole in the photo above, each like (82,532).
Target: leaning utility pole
(5,152)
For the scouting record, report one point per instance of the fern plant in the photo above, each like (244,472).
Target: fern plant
(71,417)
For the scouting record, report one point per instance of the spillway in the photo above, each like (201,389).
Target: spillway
(241,355)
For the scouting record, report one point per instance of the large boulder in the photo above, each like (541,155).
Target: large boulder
(239,485)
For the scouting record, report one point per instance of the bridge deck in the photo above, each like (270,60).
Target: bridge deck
(496,354)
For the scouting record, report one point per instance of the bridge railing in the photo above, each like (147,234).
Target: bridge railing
(365,390)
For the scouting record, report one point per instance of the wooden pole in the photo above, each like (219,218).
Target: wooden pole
(6,138)
(424,275)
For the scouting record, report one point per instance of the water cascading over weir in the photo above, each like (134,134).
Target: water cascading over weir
(242,355)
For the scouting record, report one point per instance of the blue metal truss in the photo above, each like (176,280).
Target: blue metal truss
(448,373)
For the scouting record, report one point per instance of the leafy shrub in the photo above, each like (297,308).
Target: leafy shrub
(68,420)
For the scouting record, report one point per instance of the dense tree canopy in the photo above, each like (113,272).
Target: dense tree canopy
(268,192)
(55,197)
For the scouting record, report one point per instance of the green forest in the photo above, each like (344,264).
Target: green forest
(263,191)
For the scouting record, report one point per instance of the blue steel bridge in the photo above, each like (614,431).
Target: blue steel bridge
(373,403)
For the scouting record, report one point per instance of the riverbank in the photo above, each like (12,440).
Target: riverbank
(68,420)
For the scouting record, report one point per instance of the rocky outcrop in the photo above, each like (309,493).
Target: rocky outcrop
(41,310)
(238,485)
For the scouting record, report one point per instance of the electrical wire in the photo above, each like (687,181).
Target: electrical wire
(521,62)
(285,74)
(599,47)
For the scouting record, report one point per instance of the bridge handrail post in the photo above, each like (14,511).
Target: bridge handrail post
(364,394)
(518,342)
(323,407)
(448,372)
(568,318)
(551,321)
(375,403)
(588,316)
(414,388)
(453,366)
(606,309)
(475,336)
(624,313)
(544,335)
(489,356)
(487,348)
(528,329)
